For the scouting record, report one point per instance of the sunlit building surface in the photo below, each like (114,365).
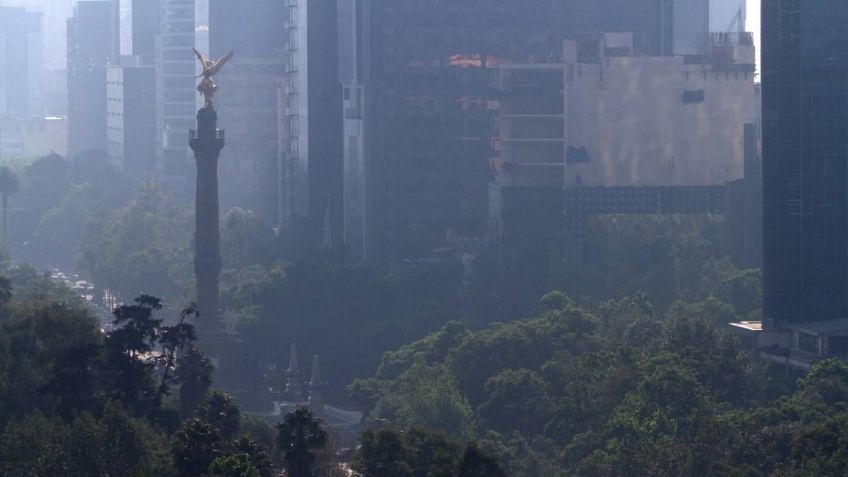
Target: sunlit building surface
(621,134)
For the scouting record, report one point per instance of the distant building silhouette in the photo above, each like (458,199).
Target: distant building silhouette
(250,111)
(176,100)
(311,101)
(131,117)
(89,50)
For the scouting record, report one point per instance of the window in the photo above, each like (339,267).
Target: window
(808,343)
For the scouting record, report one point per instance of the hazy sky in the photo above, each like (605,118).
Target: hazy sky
(754,18)
(57,11)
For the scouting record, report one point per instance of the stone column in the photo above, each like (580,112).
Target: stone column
(207,141)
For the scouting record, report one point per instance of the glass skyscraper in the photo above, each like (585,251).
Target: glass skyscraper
(805,161)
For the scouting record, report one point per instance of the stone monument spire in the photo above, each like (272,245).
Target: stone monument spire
(207,141)
(316,388)
(294,384)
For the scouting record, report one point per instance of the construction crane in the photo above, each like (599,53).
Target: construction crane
(738,20)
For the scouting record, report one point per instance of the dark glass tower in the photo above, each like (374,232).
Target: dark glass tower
(422,111)
(805,161)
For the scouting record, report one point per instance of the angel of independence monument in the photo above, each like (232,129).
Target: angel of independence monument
(207,141)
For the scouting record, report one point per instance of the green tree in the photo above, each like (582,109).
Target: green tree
(301,437)
(477,463)
(236,465)
(383,454)
(517,401)
(416,452)
(256,453)
(220,411)
(9,185)
(194,374)
(195,446)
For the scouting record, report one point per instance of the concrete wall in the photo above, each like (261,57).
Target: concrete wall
(630,115)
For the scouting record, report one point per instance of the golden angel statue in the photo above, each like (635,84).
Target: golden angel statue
(207,86)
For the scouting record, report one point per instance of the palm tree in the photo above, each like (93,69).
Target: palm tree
(194,373)
(299,436)
(8,186)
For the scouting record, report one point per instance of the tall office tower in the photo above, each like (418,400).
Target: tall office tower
(88,54)
(691,25)
(419,140)
(313,162)
(131,117)
(131,86)
(20,64)
(350,73)
(176,97)
(249,110)
(805,162)
(256,30)
(135,23)
(660,27)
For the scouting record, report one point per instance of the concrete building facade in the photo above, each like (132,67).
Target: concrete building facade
(618,134)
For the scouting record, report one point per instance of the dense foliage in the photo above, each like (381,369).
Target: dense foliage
(76,401)
(614,389)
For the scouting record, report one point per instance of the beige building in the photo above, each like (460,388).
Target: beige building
(606,118)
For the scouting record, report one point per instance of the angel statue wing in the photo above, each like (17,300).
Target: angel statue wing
(220,63)
(200,57)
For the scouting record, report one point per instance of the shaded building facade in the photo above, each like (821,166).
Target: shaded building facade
(135,26)
(131,118)
(176,97)
(249,109)
(421,107)
(89,51)
(805,161)
(20,64)
(313,160)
